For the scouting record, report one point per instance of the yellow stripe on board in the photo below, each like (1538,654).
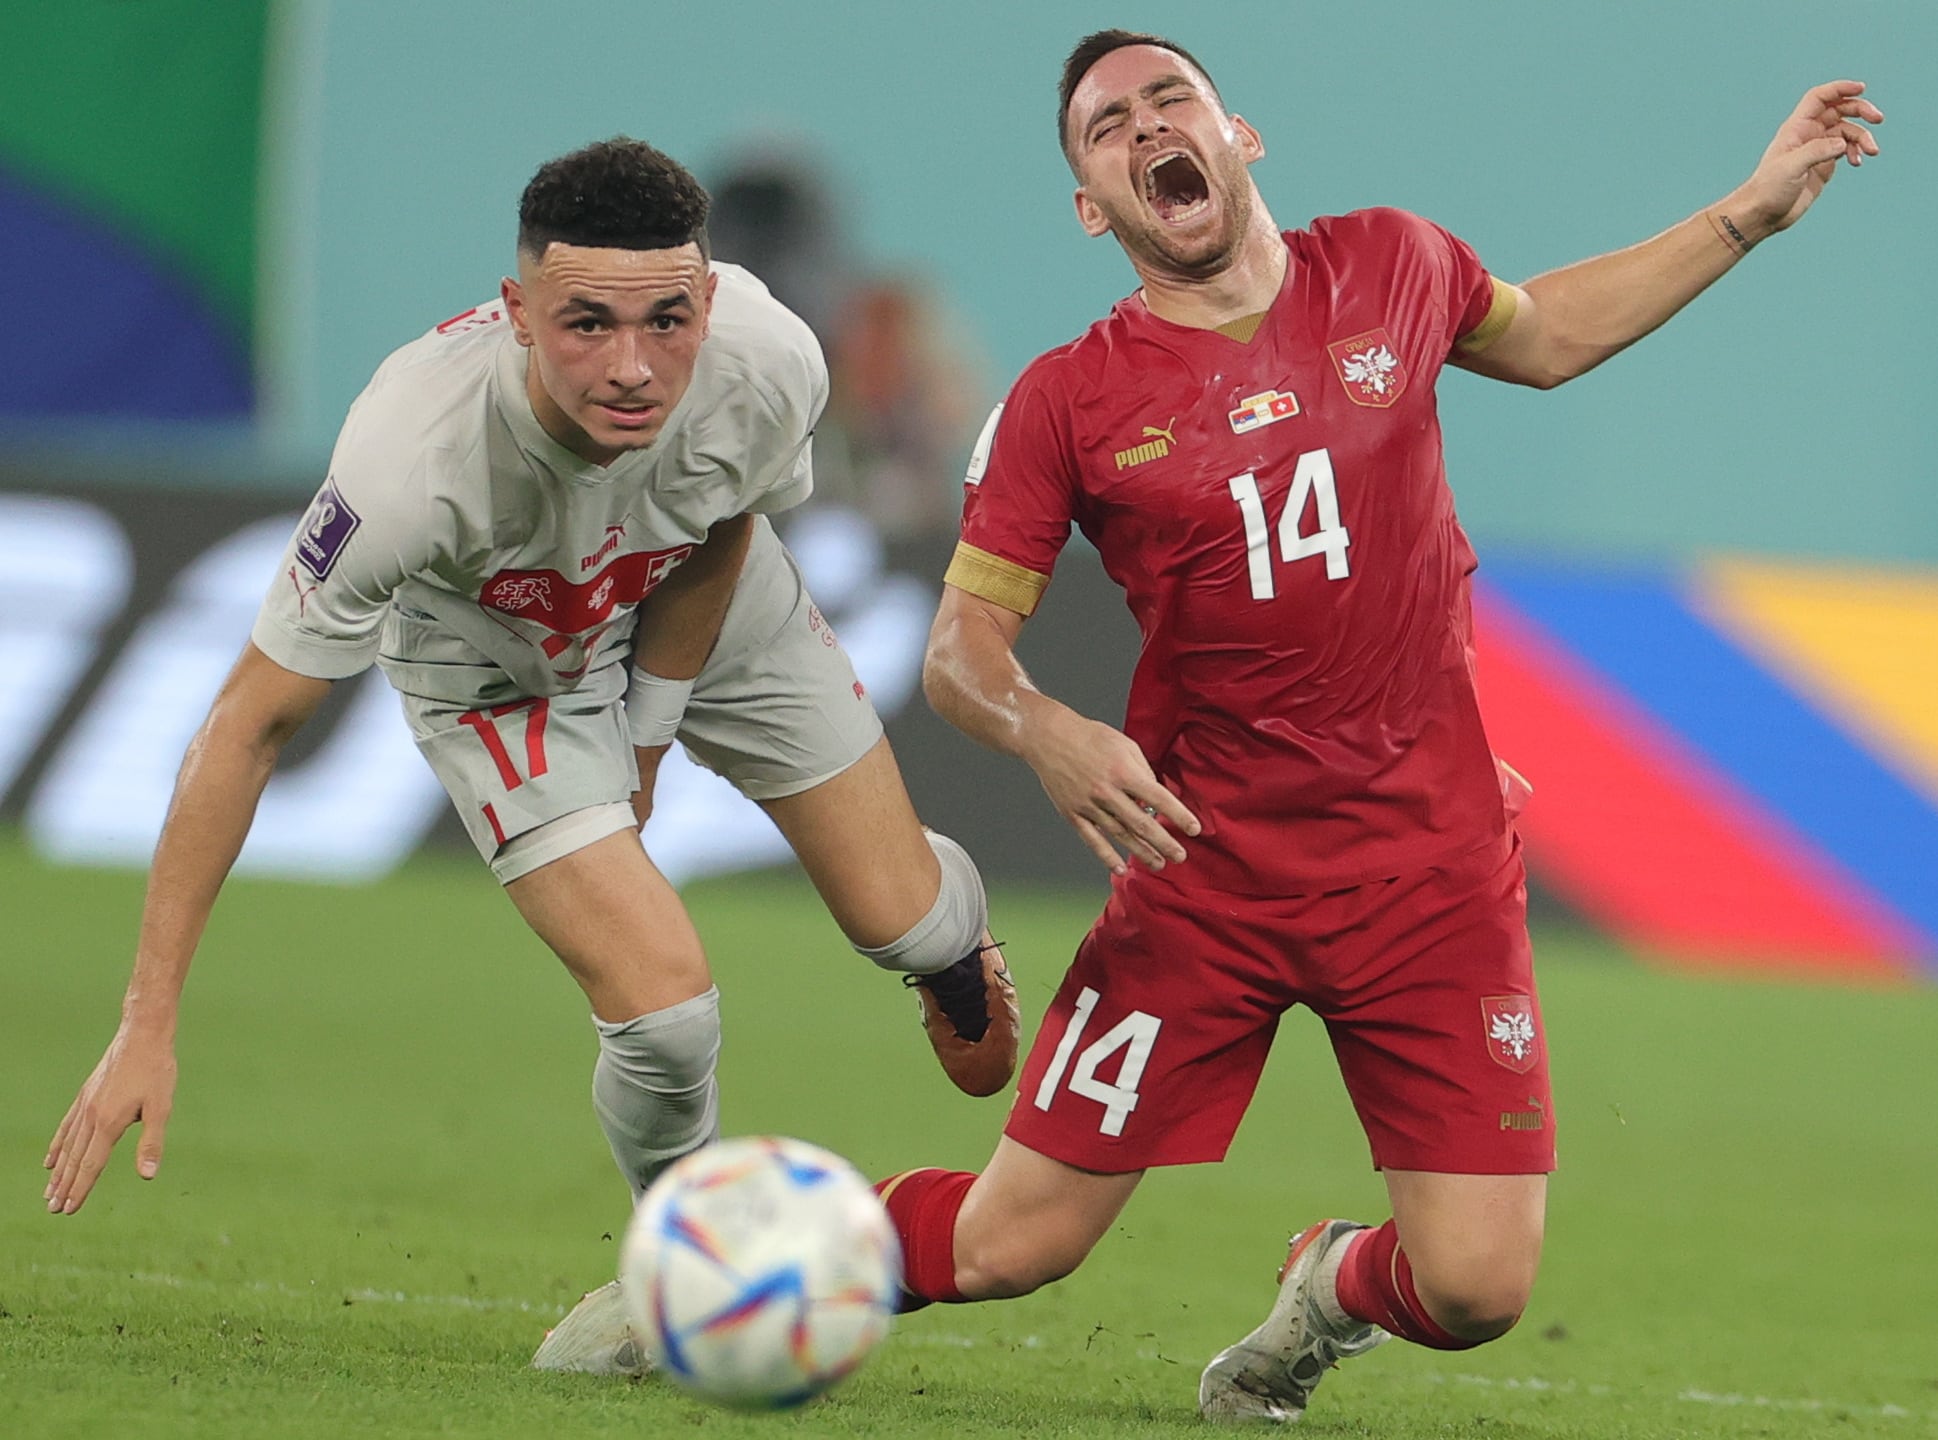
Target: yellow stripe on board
(1863,643)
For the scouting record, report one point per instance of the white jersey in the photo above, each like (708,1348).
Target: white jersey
(476,559)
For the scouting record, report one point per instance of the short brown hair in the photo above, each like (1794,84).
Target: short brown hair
(1093,48)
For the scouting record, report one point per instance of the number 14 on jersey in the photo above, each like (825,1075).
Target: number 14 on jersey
(1311,480)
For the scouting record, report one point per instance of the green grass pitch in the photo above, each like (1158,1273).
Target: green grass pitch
(384,1180)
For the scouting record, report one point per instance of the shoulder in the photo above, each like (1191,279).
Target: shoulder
(1079,364)
(422,416)
(1373,225)
(1380,226)
(757,344)
(433,392)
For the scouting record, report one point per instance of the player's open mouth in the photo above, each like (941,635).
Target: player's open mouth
(1176,188)
(630,417)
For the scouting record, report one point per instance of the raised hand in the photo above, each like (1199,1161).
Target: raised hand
(1800,161)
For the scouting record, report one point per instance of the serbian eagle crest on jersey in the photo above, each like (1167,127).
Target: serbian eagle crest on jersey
(1369,368)
(1511,1036)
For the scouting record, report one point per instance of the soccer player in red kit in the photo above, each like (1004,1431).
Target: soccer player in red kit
(1251,442)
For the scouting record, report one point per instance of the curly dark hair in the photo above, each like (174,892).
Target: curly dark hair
(618,194)
(1094,47)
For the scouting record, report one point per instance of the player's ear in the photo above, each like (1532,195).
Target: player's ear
(706,304)
(1092,218)
(513,294)
(1251,144)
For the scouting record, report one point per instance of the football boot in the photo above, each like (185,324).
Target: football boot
(595,1338)
(1270,1374)
(969,1011)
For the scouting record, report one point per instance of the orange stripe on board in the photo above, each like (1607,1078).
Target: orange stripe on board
(1860,644)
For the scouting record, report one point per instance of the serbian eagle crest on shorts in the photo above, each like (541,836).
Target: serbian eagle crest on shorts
(1512,1038)
(1369,368)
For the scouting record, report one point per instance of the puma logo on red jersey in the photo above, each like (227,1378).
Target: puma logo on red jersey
(1158,441)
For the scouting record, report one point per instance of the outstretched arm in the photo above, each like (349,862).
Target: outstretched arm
(228,763)
(679,624)
(1095,776)
(1570,320)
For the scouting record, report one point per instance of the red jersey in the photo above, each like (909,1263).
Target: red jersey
(1277,513)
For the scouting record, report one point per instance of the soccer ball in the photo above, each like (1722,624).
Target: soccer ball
(759,1271)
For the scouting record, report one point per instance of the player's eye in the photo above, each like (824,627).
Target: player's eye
(584,325)
(667,324)
(1104,132)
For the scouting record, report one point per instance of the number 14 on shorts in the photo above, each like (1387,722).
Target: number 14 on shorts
(1135,1034)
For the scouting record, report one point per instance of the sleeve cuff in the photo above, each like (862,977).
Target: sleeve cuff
(786,495)
(308,655)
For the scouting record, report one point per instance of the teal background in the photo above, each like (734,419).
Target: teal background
(1786,413)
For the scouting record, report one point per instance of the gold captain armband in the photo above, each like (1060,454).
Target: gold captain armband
(1500,315)
(999,581)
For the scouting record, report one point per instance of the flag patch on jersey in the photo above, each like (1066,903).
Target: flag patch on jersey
(1265,408)
(1369,368)
(326,529)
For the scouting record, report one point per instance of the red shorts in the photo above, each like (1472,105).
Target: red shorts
(1154,1043)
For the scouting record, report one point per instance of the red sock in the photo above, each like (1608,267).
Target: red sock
(924,1204)
(1376,1284)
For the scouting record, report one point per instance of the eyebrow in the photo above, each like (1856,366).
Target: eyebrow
(598,308)
(1149,91)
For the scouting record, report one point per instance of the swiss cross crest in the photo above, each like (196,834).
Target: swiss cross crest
(1513,1038)
(1370,368)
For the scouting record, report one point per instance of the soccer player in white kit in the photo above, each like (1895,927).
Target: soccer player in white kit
(546,521)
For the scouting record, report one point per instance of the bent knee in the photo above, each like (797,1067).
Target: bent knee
(1481,1321)
(1476,1308)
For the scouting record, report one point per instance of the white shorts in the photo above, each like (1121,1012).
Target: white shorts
(776,710)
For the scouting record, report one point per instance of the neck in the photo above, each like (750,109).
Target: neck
(1247,286)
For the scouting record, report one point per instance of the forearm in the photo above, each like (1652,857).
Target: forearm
(679,623)
(222,779)
(1599,307)
(1095,775)
(972,679)
(261,705)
